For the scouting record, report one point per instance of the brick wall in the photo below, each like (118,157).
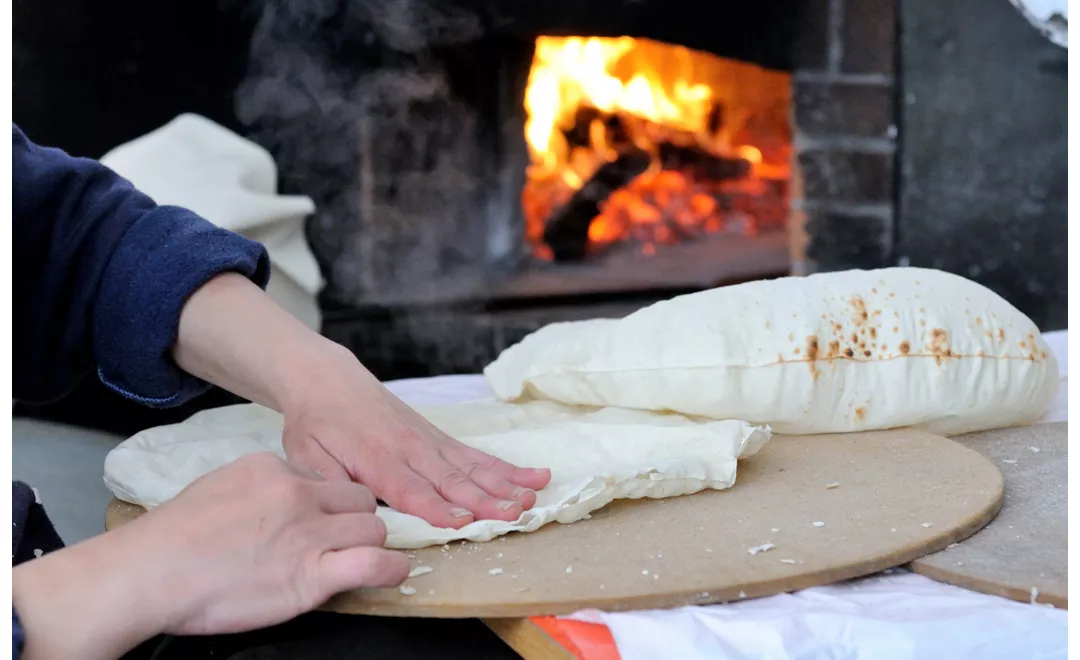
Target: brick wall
(845,136)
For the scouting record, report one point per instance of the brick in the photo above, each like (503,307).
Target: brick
(831,109)
(847,176)
(840,240)
(810,47)
(869,36)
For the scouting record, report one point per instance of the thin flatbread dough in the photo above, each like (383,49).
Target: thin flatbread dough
(829,353)
(595,456)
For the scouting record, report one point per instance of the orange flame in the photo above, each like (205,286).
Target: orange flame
(659,93)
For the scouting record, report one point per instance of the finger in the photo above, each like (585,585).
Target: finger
(408,492)
(352,530)
(310,454)
(457,488)
(345,497)
(352,568)
(531,478)
(481,469)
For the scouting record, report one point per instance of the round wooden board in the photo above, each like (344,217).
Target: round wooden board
(901,494)
(1026,546)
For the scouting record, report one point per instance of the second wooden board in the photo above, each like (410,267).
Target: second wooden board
(805,511)
(1024,553)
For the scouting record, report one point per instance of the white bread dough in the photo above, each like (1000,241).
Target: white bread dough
(595,456)
(834,352)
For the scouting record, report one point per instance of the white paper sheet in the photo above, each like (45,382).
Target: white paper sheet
(899,616)
(902,616)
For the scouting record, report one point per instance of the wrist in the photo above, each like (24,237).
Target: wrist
(322,367)
(90,600)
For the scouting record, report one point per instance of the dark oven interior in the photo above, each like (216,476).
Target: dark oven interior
(484,167)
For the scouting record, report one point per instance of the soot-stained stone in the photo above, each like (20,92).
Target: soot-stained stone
(810,46)
(842,240)
(827,109)
(869,36)
(847,176)
(984,155)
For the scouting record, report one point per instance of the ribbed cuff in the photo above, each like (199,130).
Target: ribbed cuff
(162,260)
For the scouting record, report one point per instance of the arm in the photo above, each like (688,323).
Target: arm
(102,273)
(339,420)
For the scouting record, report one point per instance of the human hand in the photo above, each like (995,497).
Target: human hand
(346,425)
(264,541)
(254,543)
(339,420)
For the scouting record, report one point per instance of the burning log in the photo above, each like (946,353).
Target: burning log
(580,134)
(567,231)
(701,164)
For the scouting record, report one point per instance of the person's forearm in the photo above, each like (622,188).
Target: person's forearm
(235,336)
(87,601)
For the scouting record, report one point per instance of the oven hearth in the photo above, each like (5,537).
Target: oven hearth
(526,167)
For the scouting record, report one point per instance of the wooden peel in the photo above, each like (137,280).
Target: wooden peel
(883,498)
(1023,554)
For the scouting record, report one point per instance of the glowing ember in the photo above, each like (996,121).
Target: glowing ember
(715,135)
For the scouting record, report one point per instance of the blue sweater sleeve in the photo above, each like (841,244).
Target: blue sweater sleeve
(17,636)
(101,274)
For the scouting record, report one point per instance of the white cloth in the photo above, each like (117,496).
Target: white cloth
(197,164)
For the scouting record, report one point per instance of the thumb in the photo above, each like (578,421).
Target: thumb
(352,568)
(307,452)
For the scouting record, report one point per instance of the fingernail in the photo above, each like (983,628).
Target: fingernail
(520,492)
(506,505)
(460,513)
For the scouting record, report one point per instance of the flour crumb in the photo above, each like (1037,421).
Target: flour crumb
(818,524)
(787,561)
(445,549)
(742,594)
(1034,596)
(835,484)
(37,495)
(495,571)
(407,591)
(420,570)
(601,586)
(499,556)
(764,547)
(1010,461)
(38,552)
(514,576)
(659,556)
(775,529)
(708,549)
(569,569)
(1034,450)
(951,546)
(431,592)
(928,524)
(655,576)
